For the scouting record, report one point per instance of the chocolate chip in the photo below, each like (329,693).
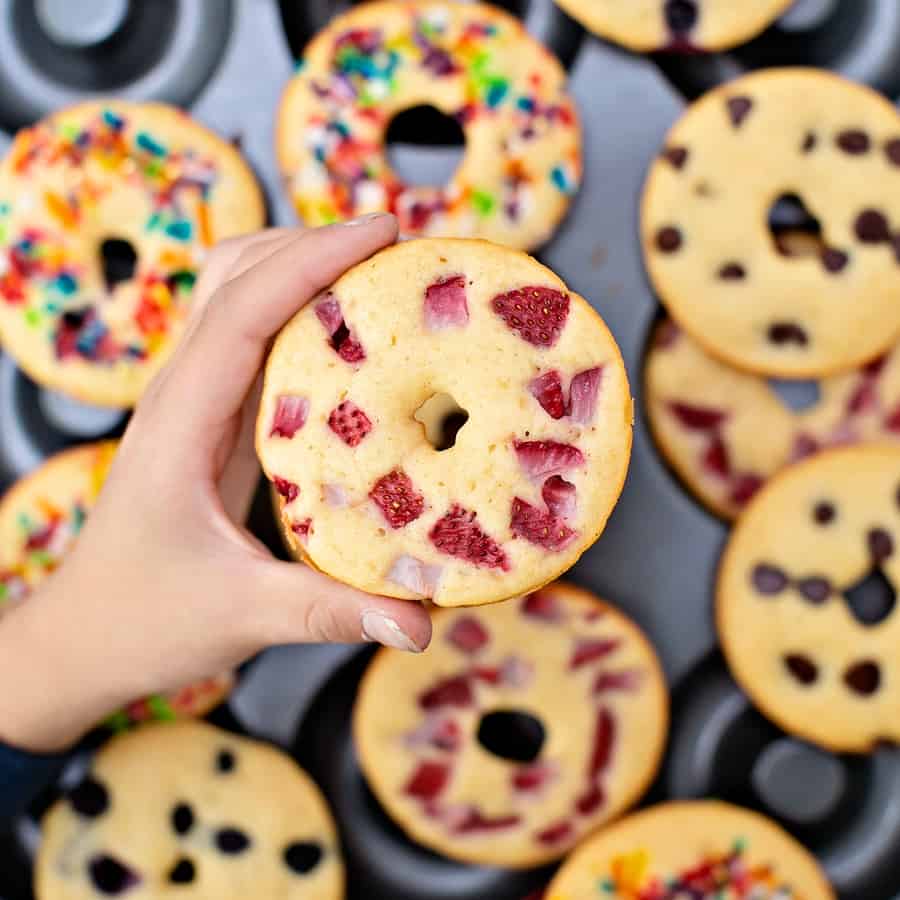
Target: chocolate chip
(787,333)
(225,761)
(834,261)
(738,109)
(802,668)
(816,589)
(809,142)
(872,227)
(109,875)
(668,239)
(768,579)
(681,15)
(302,856)
(183,872)
(677,156)
(881,544)
(854,142)
(892,151)
(872,599)
(863,678)
(182,818)
(824,513)
(732,272)
(89,799)
(231,840)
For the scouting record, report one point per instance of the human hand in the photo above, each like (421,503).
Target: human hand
(165,586)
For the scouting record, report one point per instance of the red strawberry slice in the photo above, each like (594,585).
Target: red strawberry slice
(287,489)
(892,422)
(873,369)
(540,528)
(588,650)
(863,398)
(715,459)
(537,314)
(457,533)
(604,734)
(539,459)
(533,777)
(583,393)
(475,821)
(698,418)
(301,529)
(624,680)
(455,691)
(554,834)
(349,423)
(415,575)
(397,498)
(559,495)
(547,390)
(290,415)
(429,779)
(341,339)
(543,605)
(445,304)
(590,801)
(468,634)
(744,488)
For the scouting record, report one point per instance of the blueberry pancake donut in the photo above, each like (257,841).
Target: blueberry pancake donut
(426,336)
(805,598)
(679,25)
(726,431)
(189,810)
(472,62)
(701,850)
(40,518)
(140,186)
(824,153)
(523,727)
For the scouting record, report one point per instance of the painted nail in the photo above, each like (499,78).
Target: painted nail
(364,220)
(381,629)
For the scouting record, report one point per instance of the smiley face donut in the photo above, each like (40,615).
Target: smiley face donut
(805,598)
(470,61)
(142,186)
(726,432)
(40,519)
(523,727)
(699,850)
(686,25)
(433,333)
(798,137)
(189,810)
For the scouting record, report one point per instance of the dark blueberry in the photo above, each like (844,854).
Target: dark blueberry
(225,761)
(881,544)
(768,579)
(802,668)
(854,142)
(302,856)
(231,840)
(110,876)
(668,239)
(872,227)
(787,333)
(681,15)
(809,142)
(182,818)
(183,872)
(863,678)
(816,589)
(738,110)
(892,151)
(824,513)
(834,261)
(677,156)
(732,272)
(90,798)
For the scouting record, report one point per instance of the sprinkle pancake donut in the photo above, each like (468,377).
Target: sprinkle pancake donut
(102,172)
(726,431)
(805,598)
(459,775)
(40,518)
(700,850)
(184,809)
(472,62)
(800,136)
(680,25)
(424,333)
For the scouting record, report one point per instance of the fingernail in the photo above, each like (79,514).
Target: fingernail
(381,629)
(364,220)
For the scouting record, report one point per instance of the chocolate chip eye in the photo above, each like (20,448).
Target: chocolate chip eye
(738,110)
(892,151)
(863,678)
(809,142)
(302,856)
(787,333)
(668,239)
(768,580)
(182,818)
(802,668)
(834,261)
(677,156)
(816,589)
(183,872)
(881,544)
(872,227)
(225,761)
(89,799)
(110,876)
(232,840)
(732,272)
(854,142)
(824,513)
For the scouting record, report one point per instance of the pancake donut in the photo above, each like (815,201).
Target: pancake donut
(471,61)
(704,850)
(187,809)
(827,152)
(440,751)
(40,518)
(726,432)
(111,171)
(431,333)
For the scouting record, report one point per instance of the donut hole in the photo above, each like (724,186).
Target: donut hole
(512,734)
(796,395)
(442,418)
(796,232)
(424,146)
(871,600)
(118,258)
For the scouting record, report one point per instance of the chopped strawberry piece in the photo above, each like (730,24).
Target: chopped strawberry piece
(715,459)
(397,498)
(328,312)
(744,489)
(445,304)
(429,779)
(537,314)
(349,423)
(341,339)
(559,495)
(540,528)
(457,533)
(441,733)
(863,398)
(488,674)
(626,680)
(454,691)
(892,422)
(591,801)
(301,529)
(583,393)
(698,418)
(555,833)
(804,446)
(414,575)
(290,415)
(547,390)
(873,369)
(604,733)
(539,459)
(530,778)
(287,489)
(588,651)
(475,821)
(468,634)
(543,605)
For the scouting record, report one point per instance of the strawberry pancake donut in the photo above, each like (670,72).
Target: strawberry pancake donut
(140,187)
(40,518)
(470,61)
(447,421)
(523,727)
